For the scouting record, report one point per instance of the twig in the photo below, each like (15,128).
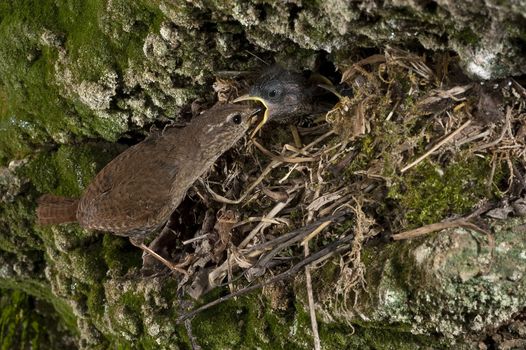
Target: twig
(296,234)
(336,247)
(282,158)
(308,282)
(167,263)
(291,148)
(421,231)
(296,136)
(195,239)
(315,232)
(261,219)
(265,260)
(277,208)
(274,164)
(193,340)
(437,146)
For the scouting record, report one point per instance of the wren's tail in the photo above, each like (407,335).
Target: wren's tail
(56,210)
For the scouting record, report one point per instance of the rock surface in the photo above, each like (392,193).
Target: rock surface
(71,72)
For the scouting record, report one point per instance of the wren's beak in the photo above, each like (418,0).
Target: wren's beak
(263,102)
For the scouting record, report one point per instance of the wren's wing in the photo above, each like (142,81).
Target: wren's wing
(131,195)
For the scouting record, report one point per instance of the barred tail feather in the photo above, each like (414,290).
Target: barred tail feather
(56,210)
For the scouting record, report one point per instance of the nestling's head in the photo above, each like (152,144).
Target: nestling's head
(285,94)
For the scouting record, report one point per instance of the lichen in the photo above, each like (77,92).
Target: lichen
(453,282)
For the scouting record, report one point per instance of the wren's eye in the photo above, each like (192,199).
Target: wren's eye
(236,118)
(272,93)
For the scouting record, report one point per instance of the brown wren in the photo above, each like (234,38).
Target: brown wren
(137,191)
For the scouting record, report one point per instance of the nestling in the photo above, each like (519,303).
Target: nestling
(286,95)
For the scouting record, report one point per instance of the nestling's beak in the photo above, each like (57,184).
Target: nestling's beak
(258,99)
(248,97)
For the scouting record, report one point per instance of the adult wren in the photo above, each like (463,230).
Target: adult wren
(286,95)
(137,191)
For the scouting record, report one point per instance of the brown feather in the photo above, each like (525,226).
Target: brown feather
(56,210)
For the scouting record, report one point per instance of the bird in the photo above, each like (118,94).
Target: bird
(286,95)
(138,190)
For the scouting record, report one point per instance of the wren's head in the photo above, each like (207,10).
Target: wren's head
(222,125)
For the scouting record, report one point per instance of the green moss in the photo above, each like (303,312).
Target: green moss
(428,193)
(221,327)
(119,255)
(28,323)
(95,301)
(249,323)
(87,263)
(69,170)
(40,290)
(467,37)
(17,219)
(366,146)
(37,112)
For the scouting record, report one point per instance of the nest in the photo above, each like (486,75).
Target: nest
(287,201)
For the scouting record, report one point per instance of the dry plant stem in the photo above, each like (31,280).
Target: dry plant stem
(281,158)
(315,232)
(260,219)
(437,146)
(337,203)
(293,236)
(312,311)
(195,239)
(368,60)
(265,260)
(291,148)
(501,136)
(308,282)
(421,231)
(193,340)
(296,136)
(336,247)
(277,208)
(473,138)
(274,164)
(167,263)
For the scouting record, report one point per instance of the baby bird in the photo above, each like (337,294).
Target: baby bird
(286,95)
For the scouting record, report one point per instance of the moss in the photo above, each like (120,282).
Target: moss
(27,323)
(69,170)
(221,327)
(468,37)
(37,112)
(119,255)
(366,154)
(87,263)
(249,323)
(39,105)
(429,193)
(41,291)
(17,219)
(95,301)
